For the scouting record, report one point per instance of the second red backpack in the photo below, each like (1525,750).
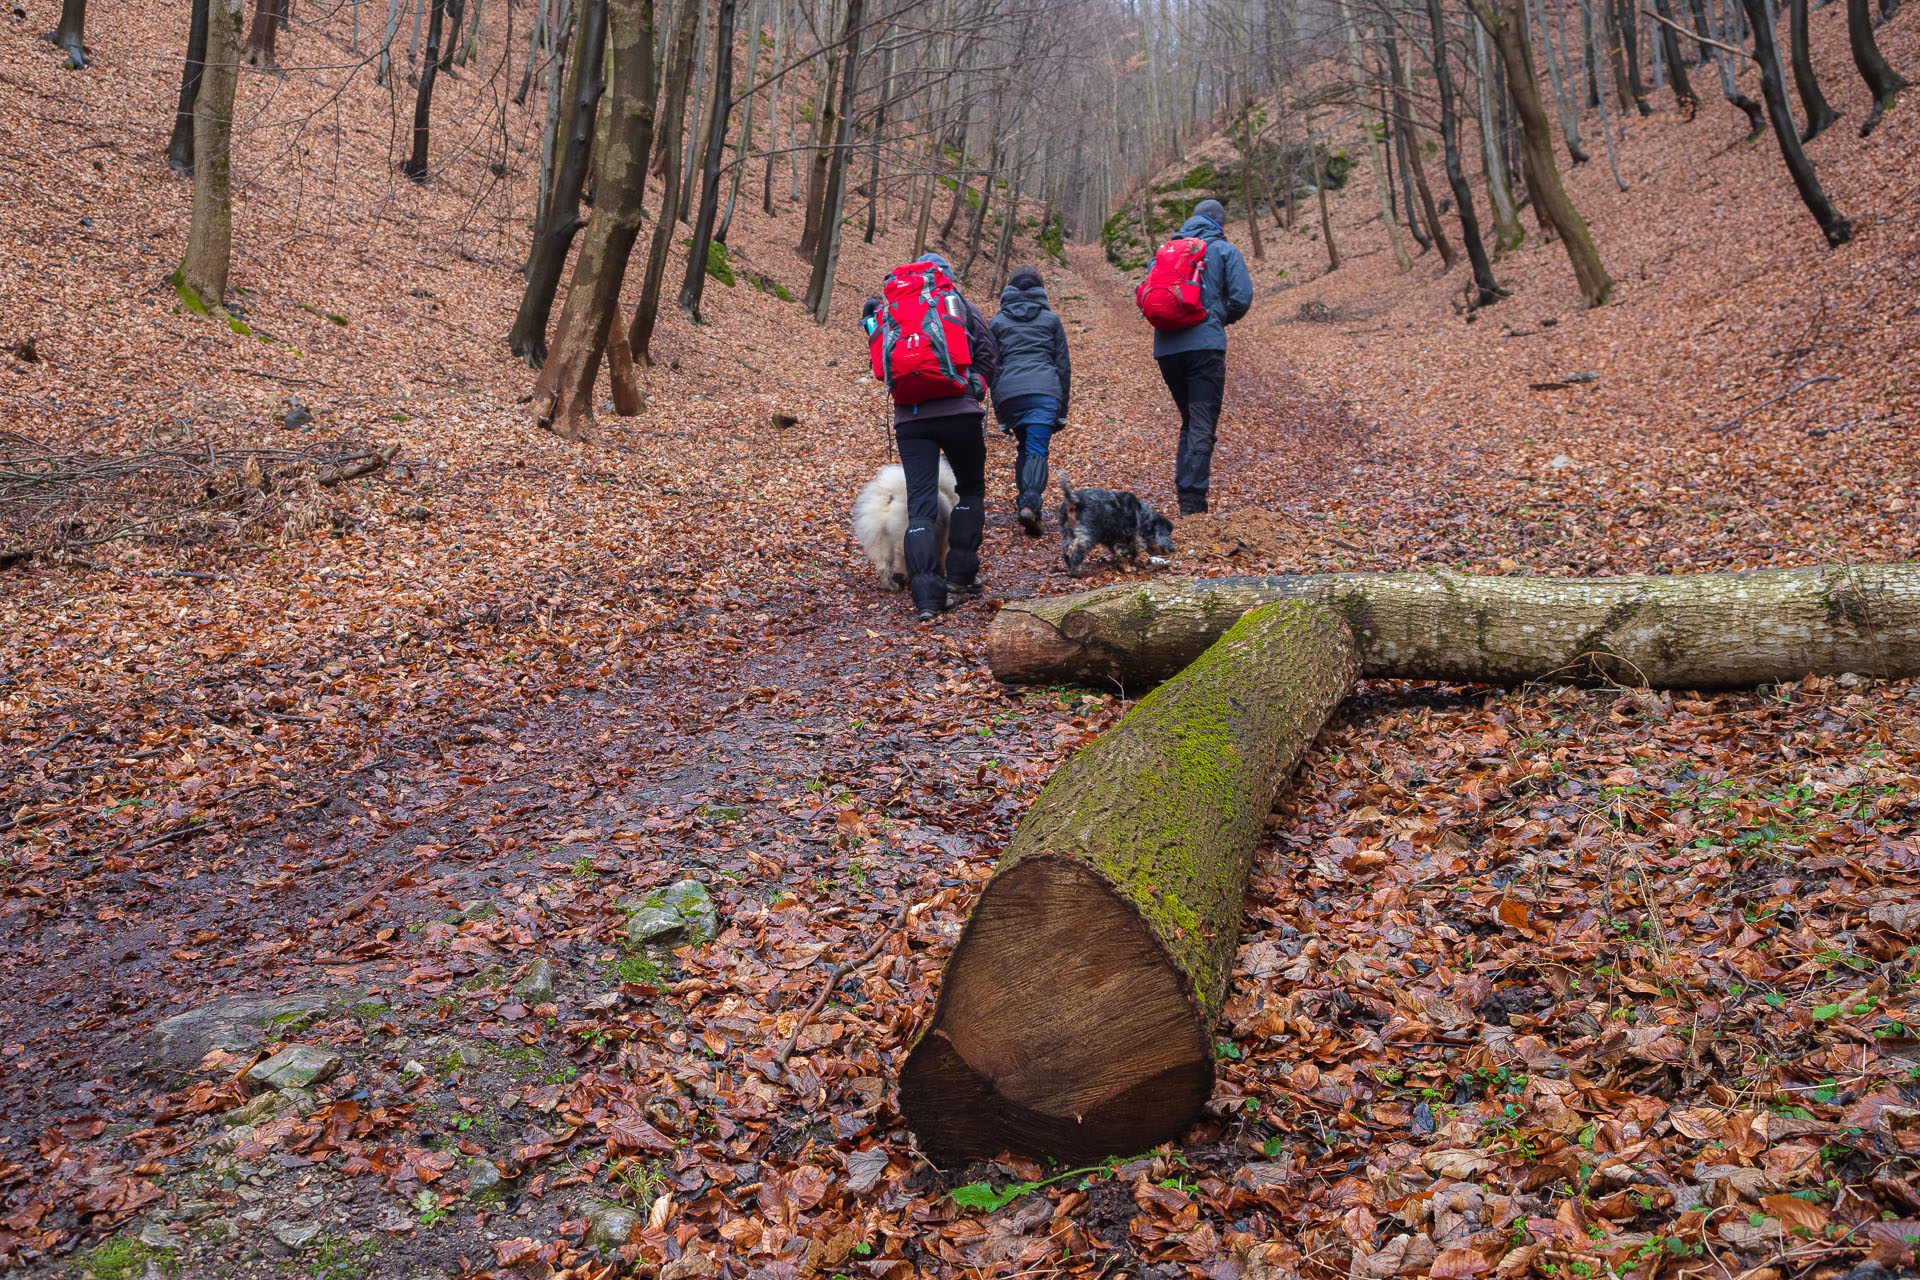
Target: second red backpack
(920,347)
(1170,295)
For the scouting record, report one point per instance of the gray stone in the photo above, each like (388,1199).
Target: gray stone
(482,1176)
(471,1055)
(537,986)
(176,1045)
(257,1112)
(156,1236)
(294,1067)
(294,1235)
(651,924)
(690,899)
(609,1226)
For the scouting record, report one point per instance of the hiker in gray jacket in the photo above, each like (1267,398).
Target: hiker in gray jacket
(1194,361)
(1032,384)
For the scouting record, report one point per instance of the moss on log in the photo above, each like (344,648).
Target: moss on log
(1723,630)
(1075,1014)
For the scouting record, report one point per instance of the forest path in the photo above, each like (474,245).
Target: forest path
(796,736)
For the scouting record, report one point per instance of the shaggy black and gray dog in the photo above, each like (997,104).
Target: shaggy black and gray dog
(1110,518)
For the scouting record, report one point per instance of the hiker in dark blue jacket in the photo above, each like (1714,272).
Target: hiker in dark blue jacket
(1032,384)
(1194,361)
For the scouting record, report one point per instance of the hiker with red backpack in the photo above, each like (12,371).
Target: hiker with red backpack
(1197,286)
(935,353)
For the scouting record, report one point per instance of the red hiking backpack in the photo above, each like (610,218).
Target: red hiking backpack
(1170,295)
(919,345)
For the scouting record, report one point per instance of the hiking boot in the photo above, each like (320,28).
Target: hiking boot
(963,588)
(1033,482)
(1193,504)
(1029,519)
(927,615)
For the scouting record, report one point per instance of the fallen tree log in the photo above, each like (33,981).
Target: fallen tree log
(1075,1014)
(1698,631)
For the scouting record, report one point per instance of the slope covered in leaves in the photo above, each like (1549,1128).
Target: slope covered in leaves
(1551,981)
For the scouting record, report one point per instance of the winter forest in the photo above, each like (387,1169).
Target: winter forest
(997,639)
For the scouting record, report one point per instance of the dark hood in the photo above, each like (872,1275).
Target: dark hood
(1202,227)
(1023,304)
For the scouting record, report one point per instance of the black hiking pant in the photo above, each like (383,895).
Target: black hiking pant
(922,441)
(1198,381)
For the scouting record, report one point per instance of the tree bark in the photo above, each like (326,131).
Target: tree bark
(1684,98)
(1075,1015)
(745,143)
(180,146)
(202,278)
(563,393)
(672,113)
(693,284)
(1627,24)
(415,165)
(1509,32)
(528,339)
(1883,82)
(261,35)
(1818,111)
(1835,227)
(825,129)
(70,37)
(1376,144)
(1410,141)
(1508,233)
(1486,289)
(1562,98)
(1692,631)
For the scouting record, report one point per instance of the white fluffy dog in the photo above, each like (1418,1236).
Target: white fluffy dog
(880,521)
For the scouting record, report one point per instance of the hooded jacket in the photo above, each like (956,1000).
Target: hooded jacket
(980,338)
(1226,291)
(1031,345)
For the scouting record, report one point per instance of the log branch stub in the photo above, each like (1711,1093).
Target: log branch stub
(1699,631)
(1075,1014)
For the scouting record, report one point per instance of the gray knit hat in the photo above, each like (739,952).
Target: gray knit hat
(1212,209)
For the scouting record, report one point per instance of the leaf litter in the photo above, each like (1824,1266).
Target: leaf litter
(1556,981)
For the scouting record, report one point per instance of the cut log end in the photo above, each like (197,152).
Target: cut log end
(1064,1029)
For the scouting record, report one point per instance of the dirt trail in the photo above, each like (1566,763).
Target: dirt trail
(771,733)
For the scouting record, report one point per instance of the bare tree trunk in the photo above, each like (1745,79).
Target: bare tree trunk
(471,44)
(1628,26)
(540,39)
(1818,112)
(879,130)
(1508,232)
(1883,82)
(202,277)
(180,147)
(70,36)
(673,111)
(697,145)
(528,339)
(826,262)
(1486,289)
(1397,144)
(1835,227)
(694,283)
(1377,145)
(1410,145)
(746,122)
(556,108)
(563,393)
(415,165)
(260,36)
(1247,166)
(1562,100)
(385,72)
(1509,32)
(773,109)
(1684,98)
(825,130)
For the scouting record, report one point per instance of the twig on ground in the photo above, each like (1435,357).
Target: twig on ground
(833,983)
(1796,387)
(178,833)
